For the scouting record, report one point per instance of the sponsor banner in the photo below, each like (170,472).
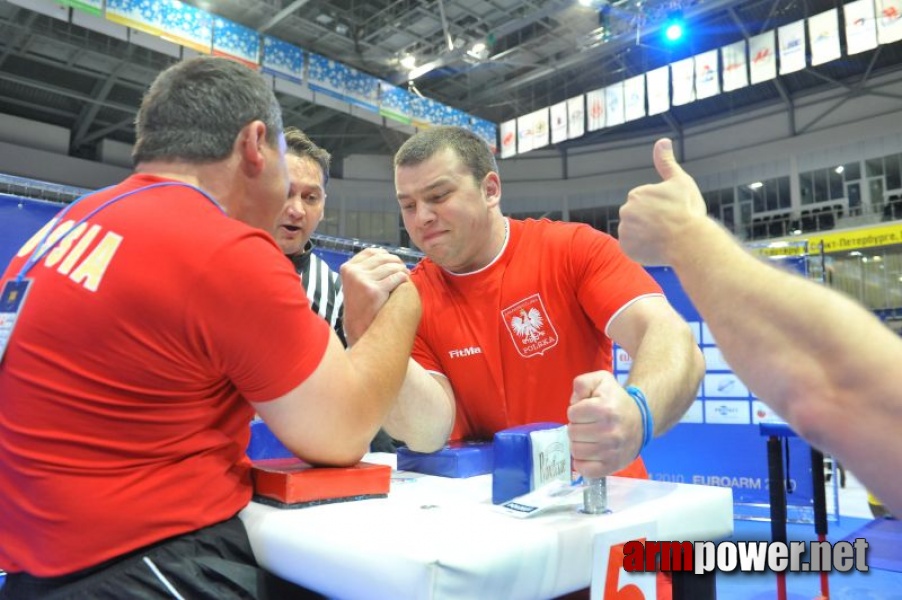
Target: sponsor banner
(509,138)
(559,122)
(763,57)
(540,128)
(595,105)
(634,98)
(889,21)
(792,47)
(861,26)
(695,414)
(525,135)
(614,111)
(735,66)
(658,90)
(576,117)
(823,32)
(707,83)
(683,73)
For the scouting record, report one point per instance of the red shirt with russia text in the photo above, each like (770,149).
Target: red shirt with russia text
(512,336)
(124,390)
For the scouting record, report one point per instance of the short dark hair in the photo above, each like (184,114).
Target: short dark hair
(195,109)
(303,147)
(471,149)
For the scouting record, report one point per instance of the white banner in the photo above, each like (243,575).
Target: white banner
(576,117)
(613,95)
(889,21)
(509,138)
(762,57)
(559,122)
(634,98)
(524,134)
(861,26)
(540,129)
(792,47)
(707,80)
(734,61)
(683,81)
(658,88)
(595,107)
(823,31)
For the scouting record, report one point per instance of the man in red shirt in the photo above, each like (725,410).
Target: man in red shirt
(519,318)
(158,316)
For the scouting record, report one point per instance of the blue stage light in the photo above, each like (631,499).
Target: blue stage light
(674,26)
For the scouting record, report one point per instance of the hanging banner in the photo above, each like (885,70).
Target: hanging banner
(613,101)
(735,66)
(861,26)
(509,138)
(683,73)
(658,90)
(763,57)
(524,134)
(540,128)
(282,59)
(576,117)
(889,21)
(559,122)
(792,47)
(823,31)
(634,98)
(143,16)
(595,107)
(707,83)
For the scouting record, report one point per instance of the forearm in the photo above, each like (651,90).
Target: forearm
(379,358)
(810,353)
(668,368)
(424,414)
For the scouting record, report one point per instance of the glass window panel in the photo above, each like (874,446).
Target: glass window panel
(852,171)
(837,189)
(770,195)
(893,176)
(821,192)
(785,195)
(873,167)
(806,187)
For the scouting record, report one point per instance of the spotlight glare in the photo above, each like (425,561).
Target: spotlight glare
(674,32)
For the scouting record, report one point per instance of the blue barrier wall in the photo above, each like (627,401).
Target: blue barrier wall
(20,218)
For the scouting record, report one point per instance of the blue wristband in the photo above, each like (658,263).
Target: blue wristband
(648,422)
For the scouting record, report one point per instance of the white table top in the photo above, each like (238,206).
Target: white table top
(440,538)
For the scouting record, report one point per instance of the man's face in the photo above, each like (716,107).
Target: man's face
(446,211)
(304,208)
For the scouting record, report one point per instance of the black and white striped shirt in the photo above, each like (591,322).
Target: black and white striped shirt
(323,286)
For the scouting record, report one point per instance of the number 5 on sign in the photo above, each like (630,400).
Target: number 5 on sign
(609,579)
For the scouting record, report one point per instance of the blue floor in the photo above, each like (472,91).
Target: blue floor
(876,584)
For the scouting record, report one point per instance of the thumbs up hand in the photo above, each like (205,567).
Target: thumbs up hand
(659,218)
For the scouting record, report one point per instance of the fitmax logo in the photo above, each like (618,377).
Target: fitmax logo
(462,352)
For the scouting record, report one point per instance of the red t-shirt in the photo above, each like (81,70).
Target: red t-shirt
(124,390)
(512,337)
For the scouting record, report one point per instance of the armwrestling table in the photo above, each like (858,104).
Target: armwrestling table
(437,538)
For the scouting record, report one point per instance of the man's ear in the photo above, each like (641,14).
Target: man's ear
(491,186)
(251,141)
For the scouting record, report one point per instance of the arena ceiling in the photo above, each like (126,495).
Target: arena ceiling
(538,52)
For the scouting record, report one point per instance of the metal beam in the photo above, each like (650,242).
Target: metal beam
(281,15)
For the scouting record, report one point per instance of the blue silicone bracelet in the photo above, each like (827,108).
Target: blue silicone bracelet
(648,422)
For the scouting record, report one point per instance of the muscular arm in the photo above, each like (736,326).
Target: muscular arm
(820,360)
(331,417)
(424,414)
(667,364)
